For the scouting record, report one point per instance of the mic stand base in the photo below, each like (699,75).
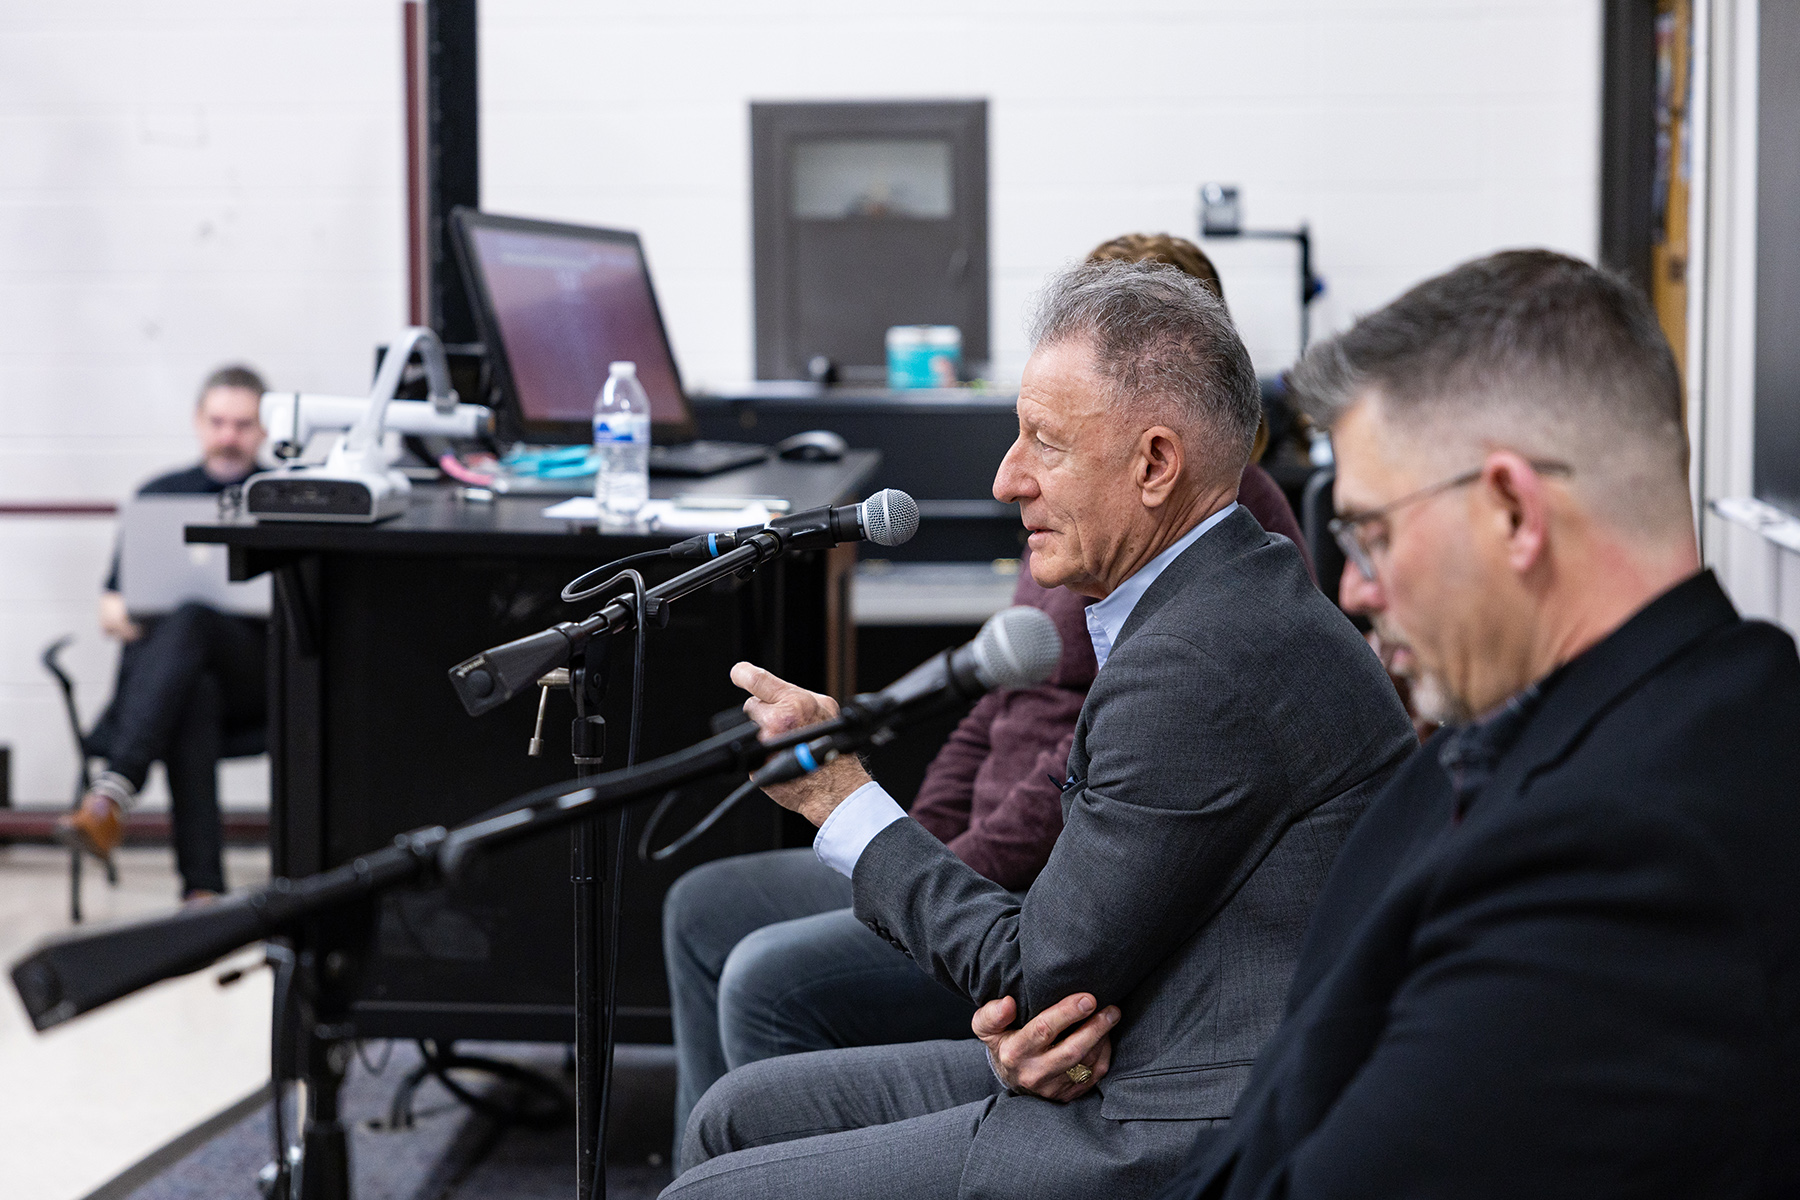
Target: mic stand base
(322,1171)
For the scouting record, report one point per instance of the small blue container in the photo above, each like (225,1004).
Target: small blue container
(923,356)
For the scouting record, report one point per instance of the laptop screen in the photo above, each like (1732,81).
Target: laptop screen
(558,304)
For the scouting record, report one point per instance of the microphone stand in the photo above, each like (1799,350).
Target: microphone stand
(495,676)
(80,971)
(77,972)
(587,871)
(499,673)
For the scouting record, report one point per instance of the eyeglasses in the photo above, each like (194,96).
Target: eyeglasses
(1359,546)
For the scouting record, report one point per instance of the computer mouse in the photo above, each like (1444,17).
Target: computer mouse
(815,445)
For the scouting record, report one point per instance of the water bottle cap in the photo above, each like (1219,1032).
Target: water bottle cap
(624,368)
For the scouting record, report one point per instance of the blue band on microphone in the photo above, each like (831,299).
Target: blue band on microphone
(804,756)
(712,545)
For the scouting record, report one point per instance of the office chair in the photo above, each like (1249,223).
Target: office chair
(1315,518)
(238,743)
(51,662)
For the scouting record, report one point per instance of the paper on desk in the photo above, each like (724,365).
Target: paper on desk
(664,517)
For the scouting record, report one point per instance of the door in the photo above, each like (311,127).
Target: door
(867,215)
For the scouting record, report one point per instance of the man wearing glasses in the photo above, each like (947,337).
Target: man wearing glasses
(1560,954)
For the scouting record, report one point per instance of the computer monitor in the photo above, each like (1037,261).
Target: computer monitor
(557,305)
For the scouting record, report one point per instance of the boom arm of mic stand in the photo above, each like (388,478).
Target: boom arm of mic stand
(78,972)
(496,675)
(81,971)
(561,804)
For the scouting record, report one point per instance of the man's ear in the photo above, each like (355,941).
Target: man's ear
(1160,461)
(1520,507)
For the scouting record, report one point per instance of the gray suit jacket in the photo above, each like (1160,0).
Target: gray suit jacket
(1239,728)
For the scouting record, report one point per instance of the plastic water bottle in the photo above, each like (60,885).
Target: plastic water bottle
(622,444)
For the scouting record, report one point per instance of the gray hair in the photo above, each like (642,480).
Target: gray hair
(1530,349)
(236,375)
(1162,340)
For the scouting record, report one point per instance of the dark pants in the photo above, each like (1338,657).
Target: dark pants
(195,683)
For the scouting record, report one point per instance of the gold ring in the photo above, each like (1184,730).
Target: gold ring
(1079,1073)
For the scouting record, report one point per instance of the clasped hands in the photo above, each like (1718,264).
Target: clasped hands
(1035,1058)
(1038,1056)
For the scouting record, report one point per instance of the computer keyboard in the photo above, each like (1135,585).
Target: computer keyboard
(697,458)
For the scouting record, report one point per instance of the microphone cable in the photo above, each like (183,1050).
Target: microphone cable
(573,591)
(621,856)
(621,853)
(646,855)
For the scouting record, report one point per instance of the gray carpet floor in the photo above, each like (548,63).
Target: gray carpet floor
(449,1151)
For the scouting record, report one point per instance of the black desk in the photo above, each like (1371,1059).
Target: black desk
(941,446)
(367,738)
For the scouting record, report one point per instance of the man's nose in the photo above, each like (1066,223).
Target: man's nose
(1011,483)
(1358,593)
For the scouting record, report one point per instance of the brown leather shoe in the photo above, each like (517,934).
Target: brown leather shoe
(199,898)
(97,826)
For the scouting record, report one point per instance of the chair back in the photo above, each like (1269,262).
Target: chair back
(1315,519)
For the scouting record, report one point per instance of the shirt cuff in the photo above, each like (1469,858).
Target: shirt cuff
(853,824)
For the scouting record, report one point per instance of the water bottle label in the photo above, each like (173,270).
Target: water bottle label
(626,431)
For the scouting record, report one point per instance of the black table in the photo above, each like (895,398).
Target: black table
(367,738)
(939,445)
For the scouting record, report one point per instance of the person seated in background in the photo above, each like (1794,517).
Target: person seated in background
(764,956)
(1560,955)
(1235,729)
(184,679)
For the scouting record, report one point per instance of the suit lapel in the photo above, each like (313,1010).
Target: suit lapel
(1236,535)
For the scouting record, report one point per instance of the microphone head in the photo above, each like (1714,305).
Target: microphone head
(1018,647)
(890,517)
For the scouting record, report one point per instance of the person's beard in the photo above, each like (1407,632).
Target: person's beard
(1433,702)
(229,466)
(1430,697)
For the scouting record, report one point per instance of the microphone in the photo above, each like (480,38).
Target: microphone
(499,673)
(887,518)
(1018,647)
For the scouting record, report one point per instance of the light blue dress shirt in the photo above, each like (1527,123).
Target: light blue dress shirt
(868,810)
(1107,617)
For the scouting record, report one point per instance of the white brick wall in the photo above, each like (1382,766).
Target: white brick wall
(197,180)
(1410,135)
(180,184)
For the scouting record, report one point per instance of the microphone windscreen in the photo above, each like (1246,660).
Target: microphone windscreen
(1018,647)
(890,517)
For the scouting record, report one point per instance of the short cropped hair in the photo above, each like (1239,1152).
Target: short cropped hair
(1162,340)
(235,375)
(1534,350)
(1162,248)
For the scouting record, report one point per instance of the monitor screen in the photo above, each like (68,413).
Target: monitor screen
(558,305)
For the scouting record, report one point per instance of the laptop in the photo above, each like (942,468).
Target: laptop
(159,571)
(557,305)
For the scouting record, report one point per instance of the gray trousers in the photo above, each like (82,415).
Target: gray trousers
(765,958)
(902,1122)
(869,1122)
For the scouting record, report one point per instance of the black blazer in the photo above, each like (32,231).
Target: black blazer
(1586,986)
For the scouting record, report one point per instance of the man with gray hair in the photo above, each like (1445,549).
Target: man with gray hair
(1236,729)
(1560,955)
